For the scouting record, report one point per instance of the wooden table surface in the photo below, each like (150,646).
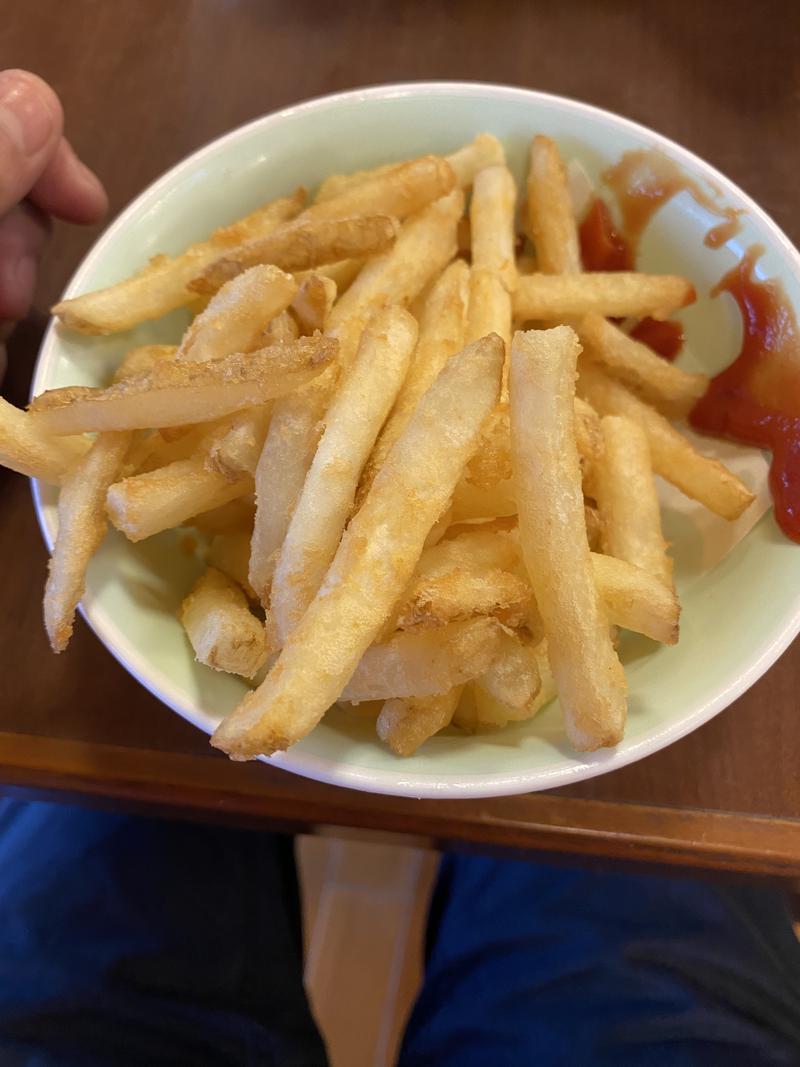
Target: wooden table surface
(144,82)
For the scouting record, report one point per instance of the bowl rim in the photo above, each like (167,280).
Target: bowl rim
(405,781)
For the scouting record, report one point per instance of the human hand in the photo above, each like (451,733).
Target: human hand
(40,177)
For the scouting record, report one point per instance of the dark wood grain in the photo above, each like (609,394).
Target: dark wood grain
(144,83)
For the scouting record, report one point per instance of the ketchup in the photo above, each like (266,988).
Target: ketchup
(756,400)
(602,248)
(665,337)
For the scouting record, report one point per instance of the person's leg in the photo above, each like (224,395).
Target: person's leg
(131,941)
(531,963)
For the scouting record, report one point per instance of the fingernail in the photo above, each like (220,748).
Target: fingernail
(24,116)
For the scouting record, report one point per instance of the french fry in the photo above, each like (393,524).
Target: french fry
(474,549)
(674,457)
(588,674)
(303,245)
(176,394)
(636,600)
(407,723)
(365,579)
(222,630)
(237,314)
(484,151)
(491,214)
(479,710)
(464,594)
(232,518)
(513,679)
(550,217)
(26,447)
(235,449)
(313,303)
(489,306)
(426,662)
(351,427)
(142,359)
(281,330)
(399,191)
(81,527)
(342,274)
(155,449)
(672,390)
(230,553)
(146,504)
(441,335)
(617,294)
(626,496)
(162,285)
(471,501)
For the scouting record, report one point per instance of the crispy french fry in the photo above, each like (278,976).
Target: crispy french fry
(313,303)
(550,218)
(162,285)
(148,503)
(222,630)
(406,724)
(303,245)
(617,294)
(176,394)
(672,390)
(441,335)
(351,426)
(476,548)
(81,527)
(513,679)
(237,315)
(674,457)
(589,676)
(491,214)
(230,553)
(26,447)
(465,593)
(235,449)
(636,600)
(426,662)
(399,191)
(626,496)
(365,579)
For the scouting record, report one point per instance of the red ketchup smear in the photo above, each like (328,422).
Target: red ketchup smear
(756,400)
(602,248)
(664,337)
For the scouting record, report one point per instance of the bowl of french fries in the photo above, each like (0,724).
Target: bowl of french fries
(344,454)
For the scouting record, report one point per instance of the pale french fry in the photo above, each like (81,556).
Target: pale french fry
(237,315)
(674,457)
(400,191)
(366,578)
(426,662)
(232,518)
(235,450)
(550,218)
(351,425)
(282,329)
(313,303)
(672,390)
(230,553)
(343,274)
(26,447)
(142,359)
(153,450)
(222,630)
(441,335)
(464,594)
(162,285)
(81,527)
(148,503)
(479,710)
(476,548)
(490,307)
(636,600)
(491,215)
(513,679)
(406,724)
(180,393)
(471,501)
(303,245)
(617,294)
(588,674)
(626,496)
(484,151)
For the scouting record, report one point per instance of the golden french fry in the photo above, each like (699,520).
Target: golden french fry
(343,274)
(237,315)
(142,359)
(400,191)
(479,710)
(162,285)
(351,426)
(303,245)
(222,630)
(236,447)
(465,594)
(156,449)
(616,294)
(365,578)
(230,553)
(588,674)
(426,662)
(491,215)
(26,447)
(626,496)
(313,303)
(475,548)
(179,393)
(405,724)
(472,501)
(674,457)
(81,527)
(513,679)
(441,335)
(636,600)
(282,329)
(232,518)
(672,390)
(148,503)
(550,217)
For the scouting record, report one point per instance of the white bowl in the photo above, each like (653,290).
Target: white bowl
(737,618)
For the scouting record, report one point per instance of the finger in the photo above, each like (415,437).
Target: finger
(23,235)
(68,190)
(31,121)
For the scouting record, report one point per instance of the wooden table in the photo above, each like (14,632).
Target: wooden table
(144,82)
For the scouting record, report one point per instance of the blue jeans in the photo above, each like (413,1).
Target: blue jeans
(131,941)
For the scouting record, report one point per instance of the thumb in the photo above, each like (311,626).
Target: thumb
(31,122)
